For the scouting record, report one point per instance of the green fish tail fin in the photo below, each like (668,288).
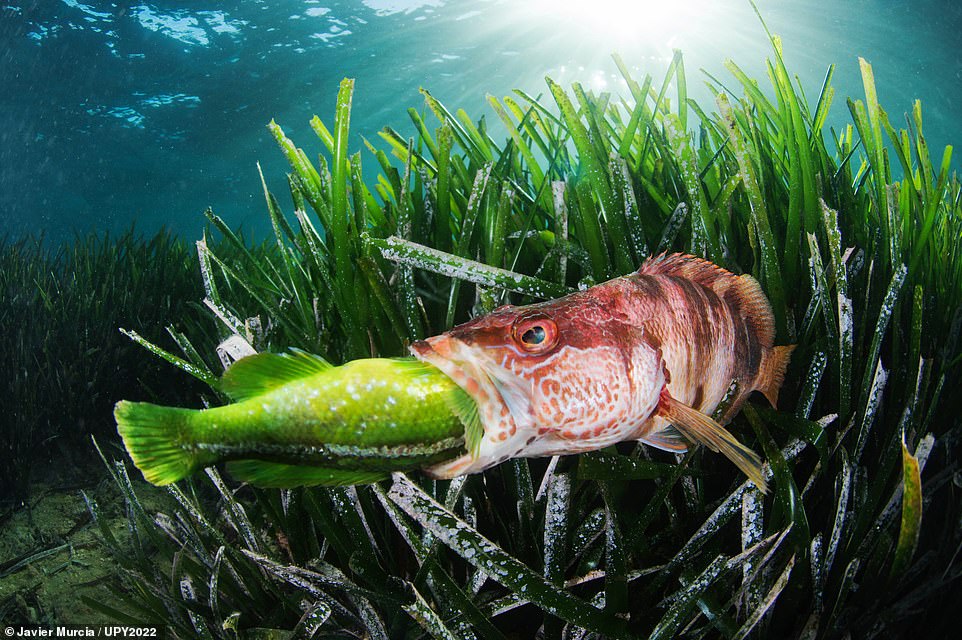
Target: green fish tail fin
(153,435)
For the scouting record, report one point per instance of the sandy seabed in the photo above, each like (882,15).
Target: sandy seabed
(51,552)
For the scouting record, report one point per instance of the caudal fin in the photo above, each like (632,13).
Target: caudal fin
(154,438)
(771,373)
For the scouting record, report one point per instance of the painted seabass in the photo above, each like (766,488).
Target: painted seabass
(645,357)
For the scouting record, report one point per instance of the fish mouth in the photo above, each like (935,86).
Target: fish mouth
(498,393)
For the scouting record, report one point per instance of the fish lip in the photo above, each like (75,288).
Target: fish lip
(448,354)
(444,353)
(424,349)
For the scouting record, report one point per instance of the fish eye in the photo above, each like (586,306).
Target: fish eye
(536,334)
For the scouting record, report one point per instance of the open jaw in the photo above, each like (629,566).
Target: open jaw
(499,398)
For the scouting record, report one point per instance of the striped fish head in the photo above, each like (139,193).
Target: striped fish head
(559,377)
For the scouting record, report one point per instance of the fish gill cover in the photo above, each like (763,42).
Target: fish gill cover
(852,232)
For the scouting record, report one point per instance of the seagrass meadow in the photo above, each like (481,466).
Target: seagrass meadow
(854,235)
(65,361)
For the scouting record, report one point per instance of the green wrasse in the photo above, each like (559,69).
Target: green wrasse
(297,420)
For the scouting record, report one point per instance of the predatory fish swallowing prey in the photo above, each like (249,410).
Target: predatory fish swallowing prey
(647,357)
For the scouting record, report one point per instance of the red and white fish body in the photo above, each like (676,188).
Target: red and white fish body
(648,357)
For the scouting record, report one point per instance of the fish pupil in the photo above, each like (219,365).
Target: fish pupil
(534,335)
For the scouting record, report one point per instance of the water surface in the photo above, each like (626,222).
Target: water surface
(112,113)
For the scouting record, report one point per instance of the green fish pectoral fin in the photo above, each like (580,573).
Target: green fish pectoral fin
(258,374)
(286,476)
(152,435)
(697,427)
(466,409)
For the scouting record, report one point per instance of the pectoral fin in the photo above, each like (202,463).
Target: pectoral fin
(667,439)
(697,427)
(466,409)
(451,469)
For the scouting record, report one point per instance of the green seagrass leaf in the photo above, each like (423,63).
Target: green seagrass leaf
(911,512)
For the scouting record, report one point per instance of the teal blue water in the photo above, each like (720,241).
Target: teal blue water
(113,113)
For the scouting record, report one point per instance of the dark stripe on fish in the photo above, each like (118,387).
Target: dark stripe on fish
(716,308)
(652,337)
(696,309)
(648,286)
(747,356)
(699,397)
(733,301)
(338,455)
(754,356)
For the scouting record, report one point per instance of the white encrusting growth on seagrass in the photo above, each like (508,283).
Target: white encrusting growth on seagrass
(423,257)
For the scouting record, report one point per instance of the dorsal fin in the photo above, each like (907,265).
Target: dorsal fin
(684,265)
(742,292)
(254,375)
